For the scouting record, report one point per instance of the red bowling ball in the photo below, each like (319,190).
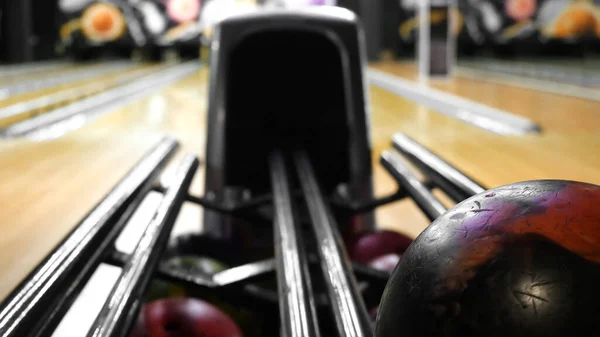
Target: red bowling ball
(373,313)
(184,317)
(517,260)
(386,262)
(371,245)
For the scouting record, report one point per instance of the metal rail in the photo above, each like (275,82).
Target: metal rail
(66,96)
(485,117)
(296,307)
(12,70)
(452,181)
(422,196)
(56,121)
(348,308)
(121,307)
(53,79)
(41,299)
(232,276)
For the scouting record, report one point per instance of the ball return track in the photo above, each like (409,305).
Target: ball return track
(38,304)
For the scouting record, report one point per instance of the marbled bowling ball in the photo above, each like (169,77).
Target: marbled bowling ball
(518,260)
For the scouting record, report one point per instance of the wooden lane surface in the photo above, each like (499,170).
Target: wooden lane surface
(56,69)
(567,149)
(76,91)
(555,112)
(57,88)
(50,186)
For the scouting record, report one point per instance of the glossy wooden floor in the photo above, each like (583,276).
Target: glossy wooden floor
(49,186)
(71,91)
(567,149)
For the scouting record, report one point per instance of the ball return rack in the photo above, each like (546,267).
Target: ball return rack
(283,234)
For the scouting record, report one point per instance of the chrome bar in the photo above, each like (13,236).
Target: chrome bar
(453,182)
(422,196)
(228,277)
(64,272)
(296,305)
(348,308)
(121,307)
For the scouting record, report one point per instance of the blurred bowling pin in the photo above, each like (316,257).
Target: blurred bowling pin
(154,20)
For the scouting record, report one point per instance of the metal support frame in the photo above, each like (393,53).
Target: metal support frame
(349,310)
(120,309)
(453,182)
(428,203)
(41,300)
(39,303)
(297,304)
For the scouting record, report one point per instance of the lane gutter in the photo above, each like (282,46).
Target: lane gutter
(30,68)
(557,88)
(52,80)
(57,122)
(487,118)
(64,96)
(581,74)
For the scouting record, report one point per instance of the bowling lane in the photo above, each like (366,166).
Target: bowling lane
(14,73)
(178,110)
(78,73)
(551,111)
(48,187)
(51,185)
(27,106)
(492,159)
(558,153)
(578,71)
(14,76)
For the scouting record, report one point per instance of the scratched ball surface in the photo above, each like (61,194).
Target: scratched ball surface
(517,260)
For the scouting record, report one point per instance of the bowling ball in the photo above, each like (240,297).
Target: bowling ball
(577,19)
(193,244)
(183,10)
(520,10)
(183,317)
(370,245)
(373,313)
(386,262)
(162,289)
(245,318)
(196,264)
(103,22)
(517,260)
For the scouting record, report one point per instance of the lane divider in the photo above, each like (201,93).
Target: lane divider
(22,110)
(552,87)
(30,68)
(477,114)
(59,121)
(54,80)
(579,73)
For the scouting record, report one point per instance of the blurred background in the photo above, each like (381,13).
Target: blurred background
(560,32)
(89,87)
